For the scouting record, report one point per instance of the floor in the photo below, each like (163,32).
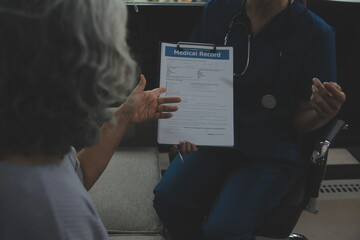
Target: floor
(338,204)
(337,220)
(339,211)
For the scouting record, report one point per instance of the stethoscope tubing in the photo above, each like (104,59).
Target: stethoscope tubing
(281,46)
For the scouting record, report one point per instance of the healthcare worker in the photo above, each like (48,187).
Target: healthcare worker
(281,52)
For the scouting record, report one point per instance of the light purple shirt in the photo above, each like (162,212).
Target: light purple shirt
(47,201)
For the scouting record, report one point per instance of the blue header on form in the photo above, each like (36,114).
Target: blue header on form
(196,53)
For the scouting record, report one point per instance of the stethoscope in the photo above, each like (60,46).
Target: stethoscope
(268,100)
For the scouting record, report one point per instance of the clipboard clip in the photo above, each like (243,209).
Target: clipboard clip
(211,46)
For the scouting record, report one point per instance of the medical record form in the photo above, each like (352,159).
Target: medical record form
(202,75)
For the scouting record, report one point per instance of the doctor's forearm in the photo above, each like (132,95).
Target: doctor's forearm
(307,120)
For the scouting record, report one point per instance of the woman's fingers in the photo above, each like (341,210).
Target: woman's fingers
(162,100)
(167,108)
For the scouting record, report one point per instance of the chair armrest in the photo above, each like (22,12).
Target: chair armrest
(332,129)
(317,167)
(328,133)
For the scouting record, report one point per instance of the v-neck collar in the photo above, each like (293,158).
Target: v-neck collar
(271,25)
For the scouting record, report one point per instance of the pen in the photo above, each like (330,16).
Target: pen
(180,156)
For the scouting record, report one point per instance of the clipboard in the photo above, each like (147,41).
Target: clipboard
(202,75)
(209,46)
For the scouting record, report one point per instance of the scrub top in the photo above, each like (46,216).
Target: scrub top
(307,47)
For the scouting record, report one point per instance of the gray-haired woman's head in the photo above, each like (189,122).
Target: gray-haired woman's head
(62,63)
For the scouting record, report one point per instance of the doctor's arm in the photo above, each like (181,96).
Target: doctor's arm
(325,102)
(140,106)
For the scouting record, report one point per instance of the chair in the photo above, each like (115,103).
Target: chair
(282,220)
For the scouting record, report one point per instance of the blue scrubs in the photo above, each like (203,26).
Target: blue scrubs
(226,194)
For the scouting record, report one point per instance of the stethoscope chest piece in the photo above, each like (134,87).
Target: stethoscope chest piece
(268,101)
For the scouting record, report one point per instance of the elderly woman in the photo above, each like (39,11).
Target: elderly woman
(62,64)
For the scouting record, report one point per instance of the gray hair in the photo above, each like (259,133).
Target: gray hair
(62,63)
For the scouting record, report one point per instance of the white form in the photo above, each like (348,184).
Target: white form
(204,81)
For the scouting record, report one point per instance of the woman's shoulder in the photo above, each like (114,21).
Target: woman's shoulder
(43,199)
